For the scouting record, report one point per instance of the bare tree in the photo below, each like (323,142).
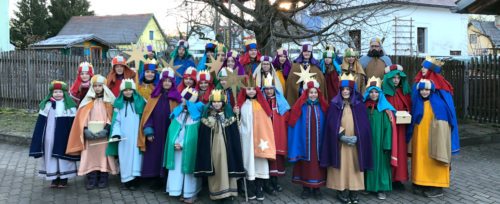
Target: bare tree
(197,17)
(275,21)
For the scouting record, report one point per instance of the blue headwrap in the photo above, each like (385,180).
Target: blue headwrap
(151,67)
(382,104)
(335,64)
(281,102)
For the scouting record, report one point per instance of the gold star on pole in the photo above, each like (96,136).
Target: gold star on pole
(215,64)
(304,74)
(171,65)
(136,54)
(233,81)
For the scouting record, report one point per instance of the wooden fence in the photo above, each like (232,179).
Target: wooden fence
(25,75)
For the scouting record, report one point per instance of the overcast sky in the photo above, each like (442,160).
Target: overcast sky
(116,7)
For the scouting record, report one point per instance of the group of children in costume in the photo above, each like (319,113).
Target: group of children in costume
(174,126)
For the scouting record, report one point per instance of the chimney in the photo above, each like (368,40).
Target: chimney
(497,21)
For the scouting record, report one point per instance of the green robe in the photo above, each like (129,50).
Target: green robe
(380,178)
(188,147)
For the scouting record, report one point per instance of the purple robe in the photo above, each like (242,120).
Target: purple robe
(152,165)
(330,151)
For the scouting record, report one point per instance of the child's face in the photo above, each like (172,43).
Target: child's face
(188,82)
(181,51)
(119,69)
(346,92)
(167,84)
(203,85)
(269,92)
(424,71)
(230,62)
(223,82)
(221,56)
(425,93)
(251,92)
(306,54)
(128,93)
(313,94)
(85,76)
(374,95)
(217,105)
(98,88)
(266,66)
(58,94)
(149,75)
(351,60)
(396,79)
(282,59)
(252,53)
(328,60)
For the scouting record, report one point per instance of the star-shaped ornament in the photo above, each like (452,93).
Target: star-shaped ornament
(171,65)
(233,81)
(263,145)
(136,54)
(304,74)
(215,64)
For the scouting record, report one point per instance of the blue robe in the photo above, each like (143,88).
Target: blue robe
(185,63)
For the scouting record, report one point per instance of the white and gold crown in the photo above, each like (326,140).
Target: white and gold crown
(374,81)
(434,61)
(217,95)
(203,75)
(268,81)
(189,94)
(347,77)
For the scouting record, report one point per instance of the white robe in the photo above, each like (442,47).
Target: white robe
(128,153)
(256,167)
(177,182)
(51,167)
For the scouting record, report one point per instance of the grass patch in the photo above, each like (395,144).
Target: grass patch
(17,121)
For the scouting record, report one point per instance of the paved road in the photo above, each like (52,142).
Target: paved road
(475,179)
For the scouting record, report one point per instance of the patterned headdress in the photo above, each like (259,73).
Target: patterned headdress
(425,84)
(203,75)
(347,80)
(433,64)
(217,95)
(250,44)
(189,94)
(374,81)
(127,84)
(310,83)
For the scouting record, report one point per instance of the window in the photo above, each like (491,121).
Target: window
(151,35)
(356,38)
(77,51)
(422,39)
(473,38)
(455,52)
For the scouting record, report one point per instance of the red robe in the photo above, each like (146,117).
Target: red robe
(277,167)
(400,102)
(332,84)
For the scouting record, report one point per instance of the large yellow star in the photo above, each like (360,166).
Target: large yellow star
(136,54)
(215,64)
(171,65)
(304,74)
(263,145)
(233,81)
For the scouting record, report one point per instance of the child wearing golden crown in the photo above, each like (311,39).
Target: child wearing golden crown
(180,149)
(128,108)
(89,134)
(347,150)
(251,57)
(50,137)
(305,135)
(257,137)
(148,78)
(383,125)
(219,154)
(280,108)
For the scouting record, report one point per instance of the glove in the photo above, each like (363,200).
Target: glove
(101,134)
(349,140)
(89,135)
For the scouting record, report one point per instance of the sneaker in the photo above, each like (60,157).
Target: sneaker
(268,188)
(306,193)
(259,193)
(381,196)
(417,190)
(433,192)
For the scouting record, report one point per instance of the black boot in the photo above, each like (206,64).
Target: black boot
(103,180)
(259,189)
(317,193)
(63,183)
(433,192)
(274,183)
(91,180)
(354,197)
(398,185)
(55,183)
(250,190)
(418,190)
(156,184)
(268,187)
(241,187)
(130,185)
(306,193)
(343,196)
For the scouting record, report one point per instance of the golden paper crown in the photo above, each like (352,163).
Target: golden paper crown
(434,61)
(374,81)
(151,61)
(268,81)
(250,41)
(249,82)
(347,77)
(217,95)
